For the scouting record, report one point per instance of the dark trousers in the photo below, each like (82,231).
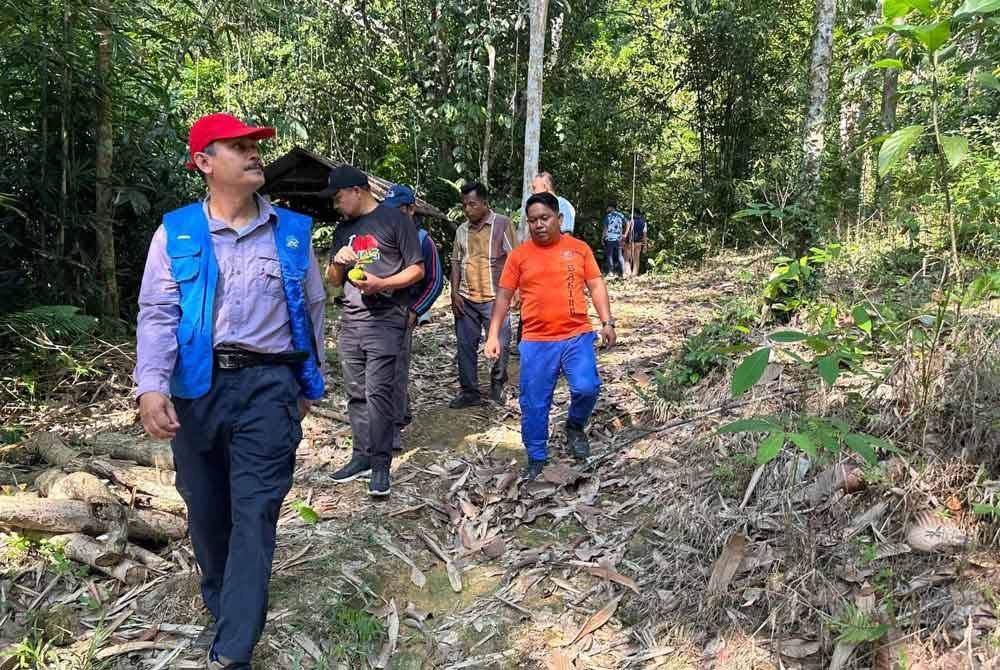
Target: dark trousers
(402,386)
(235,454)
(613,257)
(469,333)
(368,355)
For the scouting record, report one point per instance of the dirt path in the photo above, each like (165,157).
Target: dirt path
(532,564)
(668,549)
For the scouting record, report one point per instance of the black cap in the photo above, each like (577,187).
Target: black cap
(343,176)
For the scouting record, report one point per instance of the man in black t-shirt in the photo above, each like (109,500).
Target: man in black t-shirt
(378,255)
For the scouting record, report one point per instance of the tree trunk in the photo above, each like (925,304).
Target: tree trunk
(104,207)
(815,116)
(74,516)
(533,114)
(484,160)
(83,549)
(140,450)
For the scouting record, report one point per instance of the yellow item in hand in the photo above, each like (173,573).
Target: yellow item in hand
(356,274)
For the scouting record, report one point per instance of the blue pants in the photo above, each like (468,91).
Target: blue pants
(613,257)
(541,363)
(235,453)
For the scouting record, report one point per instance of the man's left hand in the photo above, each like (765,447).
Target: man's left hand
(370,285)
(304,407)
(608,336)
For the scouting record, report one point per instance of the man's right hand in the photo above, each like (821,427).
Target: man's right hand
(457,305)
(158,415)
(346,256)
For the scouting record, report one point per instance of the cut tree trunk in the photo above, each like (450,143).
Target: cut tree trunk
(74,516)
(147,558)
(58,485)
(155,482)
(84,549)
(143,451)
(51,448)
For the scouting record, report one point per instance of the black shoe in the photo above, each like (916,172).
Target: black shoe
(378,485)
(496,393)
(358,468)
(466,399)
(534,469)
(577,442)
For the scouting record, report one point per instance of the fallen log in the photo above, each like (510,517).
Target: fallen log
(84,549)
(140,450)
(16,477)
(148,558)
(74,516)
(155,482)
(59,485)
(51,448)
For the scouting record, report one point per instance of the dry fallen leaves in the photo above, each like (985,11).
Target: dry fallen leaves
(932,532)
(727,564)
(596,620)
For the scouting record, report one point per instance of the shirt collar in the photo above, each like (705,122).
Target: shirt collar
(264,213)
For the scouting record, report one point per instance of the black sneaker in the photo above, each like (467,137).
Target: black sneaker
(496,393)
(466,399)
(358,468)
(378,485)
(577,442)
(534,469)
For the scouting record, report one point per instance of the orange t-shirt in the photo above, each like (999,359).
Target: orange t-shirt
(551,281)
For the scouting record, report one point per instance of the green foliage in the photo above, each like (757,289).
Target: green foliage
(305,512)
(853,625)
(32,655)
(793,282)
(708,349)
(819,438)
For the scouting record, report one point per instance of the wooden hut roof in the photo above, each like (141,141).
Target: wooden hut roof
(297,177)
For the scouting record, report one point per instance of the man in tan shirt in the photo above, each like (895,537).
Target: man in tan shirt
(481,247)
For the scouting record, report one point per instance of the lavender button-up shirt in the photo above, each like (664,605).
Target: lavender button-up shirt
(250,309)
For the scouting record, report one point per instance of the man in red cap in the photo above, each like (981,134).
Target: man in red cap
(230,347)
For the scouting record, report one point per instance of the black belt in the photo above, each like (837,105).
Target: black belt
(234,359)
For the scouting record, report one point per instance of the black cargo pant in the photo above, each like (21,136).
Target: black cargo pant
(235,454)
(368,355)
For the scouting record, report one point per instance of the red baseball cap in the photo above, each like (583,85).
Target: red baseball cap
(214,127)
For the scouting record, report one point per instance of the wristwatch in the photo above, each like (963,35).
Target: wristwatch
(609,322)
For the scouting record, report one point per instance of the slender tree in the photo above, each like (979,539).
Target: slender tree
(533,114)
(815,116)
(104,205)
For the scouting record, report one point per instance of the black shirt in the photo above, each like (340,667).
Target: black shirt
(386,242)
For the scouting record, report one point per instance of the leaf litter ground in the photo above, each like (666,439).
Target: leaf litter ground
(669,549)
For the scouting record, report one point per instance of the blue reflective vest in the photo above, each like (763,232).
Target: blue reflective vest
(194,268)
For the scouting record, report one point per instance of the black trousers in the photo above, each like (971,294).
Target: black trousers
(235,454)
(368,355)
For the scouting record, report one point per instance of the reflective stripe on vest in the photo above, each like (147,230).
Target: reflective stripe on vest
(194,268)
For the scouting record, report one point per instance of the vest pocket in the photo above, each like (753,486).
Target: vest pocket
(185,267)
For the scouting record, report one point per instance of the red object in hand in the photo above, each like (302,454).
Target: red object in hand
(364,243)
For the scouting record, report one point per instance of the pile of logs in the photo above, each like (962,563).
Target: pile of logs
(97,502)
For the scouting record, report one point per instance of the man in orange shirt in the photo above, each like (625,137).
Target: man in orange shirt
(550,270)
